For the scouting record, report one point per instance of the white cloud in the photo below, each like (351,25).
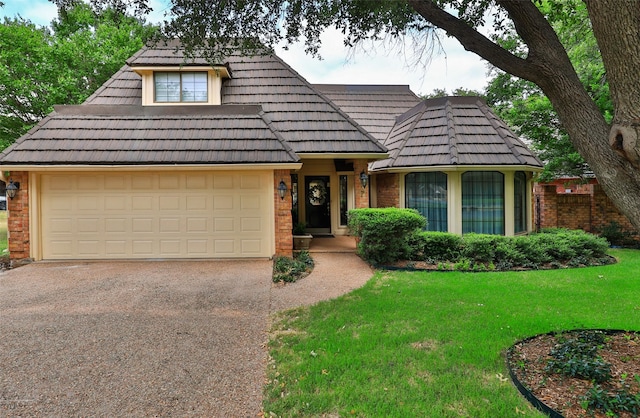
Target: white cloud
(450,69)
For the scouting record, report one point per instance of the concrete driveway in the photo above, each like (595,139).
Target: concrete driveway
(183,338)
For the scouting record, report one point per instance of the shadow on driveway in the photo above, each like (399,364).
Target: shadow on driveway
(165,338)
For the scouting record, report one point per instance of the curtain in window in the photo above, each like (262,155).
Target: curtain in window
(483,202)
(520,201)
(427,193)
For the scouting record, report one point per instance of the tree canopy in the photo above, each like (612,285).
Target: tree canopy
(523,105)
(61,64)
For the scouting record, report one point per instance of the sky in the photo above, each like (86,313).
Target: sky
(449,69)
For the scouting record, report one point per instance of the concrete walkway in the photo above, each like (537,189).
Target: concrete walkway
(334,275)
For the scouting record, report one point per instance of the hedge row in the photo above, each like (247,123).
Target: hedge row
(390,234)
(550,248)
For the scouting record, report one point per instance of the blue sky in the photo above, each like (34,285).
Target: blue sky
(450,69)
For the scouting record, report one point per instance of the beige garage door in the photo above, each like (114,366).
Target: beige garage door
(157,215)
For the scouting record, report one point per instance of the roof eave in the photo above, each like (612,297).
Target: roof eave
(344,155)
(150,167)
(476,167)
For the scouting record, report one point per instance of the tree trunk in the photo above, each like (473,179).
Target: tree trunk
(547,65)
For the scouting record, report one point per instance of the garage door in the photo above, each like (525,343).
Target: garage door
(157,215)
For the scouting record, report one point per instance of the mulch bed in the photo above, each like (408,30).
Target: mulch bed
(529,358)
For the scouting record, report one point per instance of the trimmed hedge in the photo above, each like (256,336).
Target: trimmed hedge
(388,235)
(550,248)
(383,232)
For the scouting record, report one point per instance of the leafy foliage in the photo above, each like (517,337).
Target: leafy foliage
(621,400)
(40,67)
(524,106)
(287,269)
(555,247)
(578,357)
(383,232)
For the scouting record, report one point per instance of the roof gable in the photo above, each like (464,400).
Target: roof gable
(453,131)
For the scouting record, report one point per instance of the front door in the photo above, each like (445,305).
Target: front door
(317,204)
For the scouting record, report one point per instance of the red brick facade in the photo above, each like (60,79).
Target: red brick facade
(18,218)
(388,190)
(362,194)
(589,210)
(283,219)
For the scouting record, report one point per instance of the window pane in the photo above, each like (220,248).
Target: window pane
(194,87)
(483,202)
(167,87)
(427,193)
(343,200)
(520,202)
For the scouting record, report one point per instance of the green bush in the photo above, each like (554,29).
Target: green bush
(550,248)
(383,233)
(435,247)
(287,269)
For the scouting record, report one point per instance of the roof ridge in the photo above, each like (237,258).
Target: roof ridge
(107,83)
(451,132)
(499,128)
(28,134)
(332,104)
(416,111)
(267,120)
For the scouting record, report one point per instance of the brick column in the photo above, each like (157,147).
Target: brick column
(362,195)
(548,205)
(18,218)
(282,211)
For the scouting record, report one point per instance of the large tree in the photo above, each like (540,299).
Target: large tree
(612,150)
(61,64)
(523,105)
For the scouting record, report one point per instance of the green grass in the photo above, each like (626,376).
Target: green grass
(3,232)
(432,343)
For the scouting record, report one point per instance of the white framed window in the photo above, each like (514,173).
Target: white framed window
(177,87)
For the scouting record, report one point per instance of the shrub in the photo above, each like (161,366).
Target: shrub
(480,248)
(618,236)
(578,357)
(435,247)
(287,269)
(383,233)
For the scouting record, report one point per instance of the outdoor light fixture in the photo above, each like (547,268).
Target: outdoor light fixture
(12,189)
(364,179)
(282,189)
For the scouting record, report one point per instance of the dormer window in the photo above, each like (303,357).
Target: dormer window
(175,87)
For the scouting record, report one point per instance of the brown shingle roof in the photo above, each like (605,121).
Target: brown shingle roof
(308,121)
(374,107)
(453,131)
(90,134)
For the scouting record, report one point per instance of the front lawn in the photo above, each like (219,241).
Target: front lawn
(432,343)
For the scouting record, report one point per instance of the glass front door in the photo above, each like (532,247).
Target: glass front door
(318,204)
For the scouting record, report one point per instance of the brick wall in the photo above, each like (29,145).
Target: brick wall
(388,190)
(589,210)
(282,213)
(18,218)
(362,194)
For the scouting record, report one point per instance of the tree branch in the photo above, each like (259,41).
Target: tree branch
(472,40)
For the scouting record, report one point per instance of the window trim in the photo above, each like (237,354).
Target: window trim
(180,95)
